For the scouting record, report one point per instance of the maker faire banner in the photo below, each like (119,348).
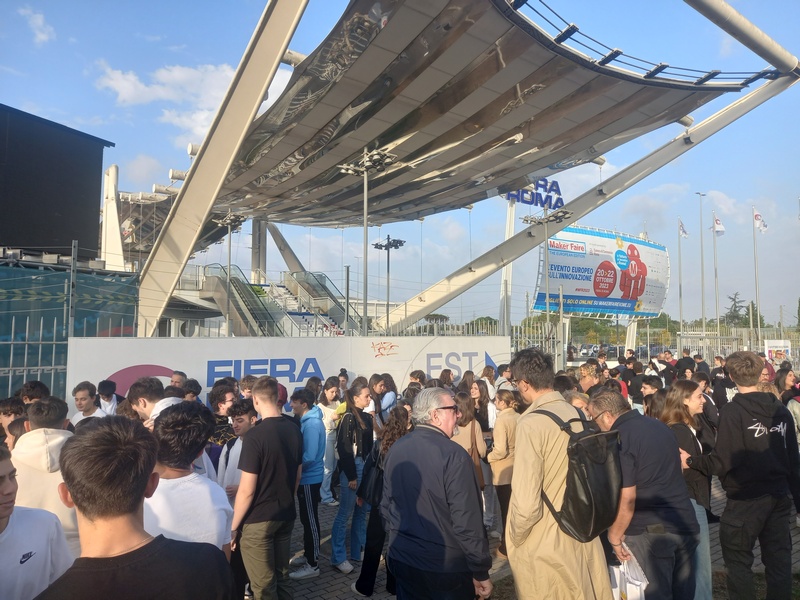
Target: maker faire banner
(605,272)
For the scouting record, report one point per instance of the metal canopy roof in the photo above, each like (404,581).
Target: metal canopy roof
(473,98)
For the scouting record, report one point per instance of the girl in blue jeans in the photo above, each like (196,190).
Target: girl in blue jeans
(353,443)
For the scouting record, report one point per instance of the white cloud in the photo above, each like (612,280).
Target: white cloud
(144,170)
(197,91)
(42,32)
(727,46)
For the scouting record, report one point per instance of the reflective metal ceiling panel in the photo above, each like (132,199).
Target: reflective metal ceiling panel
(471,97)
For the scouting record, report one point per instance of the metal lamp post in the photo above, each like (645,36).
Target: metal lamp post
(388,246)
(370,162)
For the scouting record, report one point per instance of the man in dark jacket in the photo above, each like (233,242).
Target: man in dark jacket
(756,459)
(442,552)
(685,362)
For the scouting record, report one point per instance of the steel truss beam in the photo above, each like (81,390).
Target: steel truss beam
(212,164)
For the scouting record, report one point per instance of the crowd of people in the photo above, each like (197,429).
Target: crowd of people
(165,492)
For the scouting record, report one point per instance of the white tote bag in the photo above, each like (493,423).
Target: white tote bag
(628,580)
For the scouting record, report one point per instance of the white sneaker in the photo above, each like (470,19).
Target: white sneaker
(355,591)
(332,503)
(306,572)
(345,567)
(298,561)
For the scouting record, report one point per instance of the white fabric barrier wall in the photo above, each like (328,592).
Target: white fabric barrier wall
(290,360)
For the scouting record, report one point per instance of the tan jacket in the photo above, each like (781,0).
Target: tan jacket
(546,562)
(501,458)
(464,438)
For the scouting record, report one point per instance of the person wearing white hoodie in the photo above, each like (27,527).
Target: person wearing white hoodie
(36,457)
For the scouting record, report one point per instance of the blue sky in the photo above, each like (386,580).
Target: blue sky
(148,76)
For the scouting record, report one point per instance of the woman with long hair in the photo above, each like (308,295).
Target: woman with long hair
(354,443)
(327,402)
(465,385)
(682,405)
(397,425)
(314,384)
(389,397)
(446,379)
(467,425)
(376,389)
(487,375)
(486,415)
(479,393)
(501,458)
(785,381)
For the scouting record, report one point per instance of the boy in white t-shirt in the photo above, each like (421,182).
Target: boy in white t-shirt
(243,418)
(84,394)
(186,506)
(33,549)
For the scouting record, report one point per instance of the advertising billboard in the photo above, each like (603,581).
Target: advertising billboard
(604,273)
(292,361)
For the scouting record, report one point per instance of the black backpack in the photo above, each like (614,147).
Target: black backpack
(594,480)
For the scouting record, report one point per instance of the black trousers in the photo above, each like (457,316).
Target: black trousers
(416,584)
(504,497)
(765,519)
(240,579)
(308,499)
(373,547)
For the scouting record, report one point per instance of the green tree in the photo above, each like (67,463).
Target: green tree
(437,318)
(736,315)
(482,325)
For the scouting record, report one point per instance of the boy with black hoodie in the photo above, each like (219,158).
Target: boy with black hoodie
(757,461)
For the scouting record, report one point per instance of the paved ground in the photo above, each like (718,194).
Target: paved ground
(331,584)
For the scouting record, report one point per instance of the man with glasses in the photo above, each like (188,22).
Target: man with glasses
(575,570)
(442,553)
(655,522)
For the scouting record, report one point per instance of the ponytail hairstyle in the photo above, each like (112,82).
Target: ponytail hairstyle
(349,397)
(509,398)
(419,376)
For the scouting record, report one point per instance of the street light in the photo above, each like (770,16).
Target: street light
(388,246)
(370,162)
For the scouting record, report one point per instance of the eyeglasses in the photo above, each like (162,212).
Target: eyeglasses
(598,415)
(452,407)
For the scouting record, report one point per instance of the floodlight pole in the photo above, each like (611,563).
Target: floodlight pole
(364,319)
(390,243)
(702,275)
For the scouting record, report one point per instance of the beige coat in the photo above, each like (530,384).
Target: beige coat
(501,458)
(464,438)
(546,562)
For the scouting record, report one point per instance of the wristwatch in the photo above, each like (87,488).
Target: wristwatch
(689,461)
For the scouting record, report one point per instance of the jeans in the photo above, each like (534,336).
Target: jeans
(416,584)
(308,500)
(358,528)
(765,519)
(330,466)
(488,496)
(666,559)
(702,557)
(265,550)
(376,536)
